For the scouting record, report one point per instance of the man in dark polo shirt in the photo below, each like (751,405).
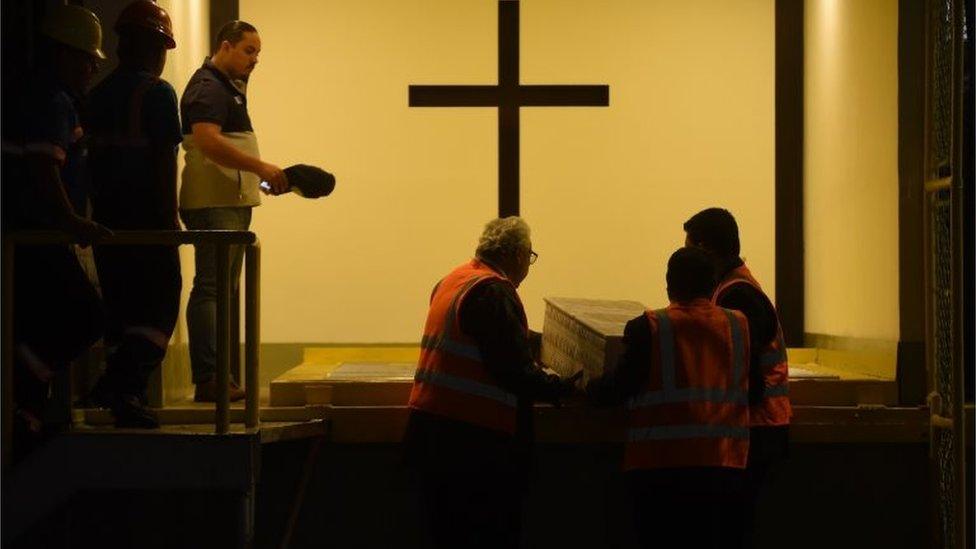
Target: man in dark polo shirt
(220,181)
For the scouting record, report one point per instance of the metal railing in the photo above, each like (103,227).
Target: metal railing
(227,333)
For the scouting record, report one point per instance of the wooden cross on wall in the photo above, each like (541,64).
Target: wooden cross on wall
(509,96)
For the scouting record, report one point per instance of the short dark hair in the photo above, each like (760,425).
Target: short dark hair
(691,275)
(233,32)
(716,230)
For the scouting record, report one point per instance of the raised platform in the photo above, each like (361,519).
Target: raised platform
(382,378)
(364,392)
(348,375)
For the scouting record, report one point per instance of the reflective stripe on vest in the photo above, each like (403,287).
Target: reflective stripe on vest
(452,379)
(669,394)
(689,394)
(769,359)
(446,345)
(737,346)
(672,432)
(464,385)
(774,407)
(46,149)
(704,423)
(772,358)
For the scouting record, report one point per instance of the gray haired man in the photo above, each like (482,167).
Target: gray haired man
(469,430)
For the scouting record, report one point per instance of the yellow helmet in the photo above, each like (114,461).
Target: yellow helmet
(74,26)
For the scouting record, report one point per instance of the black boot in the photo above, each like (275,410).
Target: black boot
(129,410)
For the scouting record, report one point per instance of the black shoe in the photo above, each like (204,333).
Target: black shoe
(130,413)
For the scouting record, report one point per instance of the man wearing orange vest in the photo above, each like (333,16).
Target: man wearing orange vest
(469,429)
(715,231)
(684,376)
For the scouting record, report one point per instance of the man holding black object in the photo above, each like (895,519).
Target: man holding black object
(469,431)
(306,181)
(220,181)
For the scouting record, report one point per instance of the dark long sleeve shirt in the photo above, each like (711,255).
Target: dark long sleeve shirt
(766,443)
(491,315)
(761,315)
(629,377)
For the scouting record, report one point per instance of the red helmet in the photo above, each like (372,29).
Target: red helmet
(147,15)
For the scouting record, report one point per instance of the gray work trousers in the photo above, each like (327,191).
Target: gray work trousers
(201,311)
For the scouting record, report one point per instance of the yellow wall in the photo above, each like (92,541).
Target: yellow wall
(851,168)
(605,189)
(191,25)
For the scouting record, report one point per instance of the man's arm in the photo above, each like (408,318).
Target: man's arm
(217,148)
(164,159)
(47,199)
(632,368)
(490,315)
(761,318)
(161,121)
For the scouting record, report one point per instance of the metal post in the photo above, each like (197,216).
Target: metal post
(222,415)
(235,328)
(8,351)
(252,329)
(245,526)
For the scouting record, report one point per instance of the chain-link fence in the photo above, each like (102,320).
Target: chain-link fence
(942,281)
(940,138)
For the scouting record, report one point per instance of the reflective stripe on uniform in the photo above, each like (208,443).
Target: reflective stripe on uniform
(465,386)
(669,394)
(152,334)
(776,391)
(772,358)
(666,343)
(689,394)
(11,148)
(737,347)
(671,432)
(453,347)
(46,149)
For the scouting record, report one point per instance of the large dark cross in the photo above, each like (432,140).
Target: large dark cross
(509,96)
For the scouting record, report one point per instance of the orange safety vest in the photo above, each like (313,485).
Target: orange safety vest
(451,379)
(694,410)
(774,408)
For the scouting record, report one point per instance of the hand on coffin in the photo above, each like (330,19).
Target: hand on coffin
(570,387)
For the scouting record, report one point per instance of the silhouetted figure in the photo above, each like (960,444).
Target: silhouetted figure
(57,313)
(715,231)
(684,377)
(134,127)
(470,431)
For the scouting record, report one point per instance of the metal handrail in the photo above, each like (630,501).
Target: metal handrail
(222,240)
(936,185)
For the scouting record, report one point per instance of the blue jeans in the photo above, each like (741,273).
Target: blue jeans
(201,311)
